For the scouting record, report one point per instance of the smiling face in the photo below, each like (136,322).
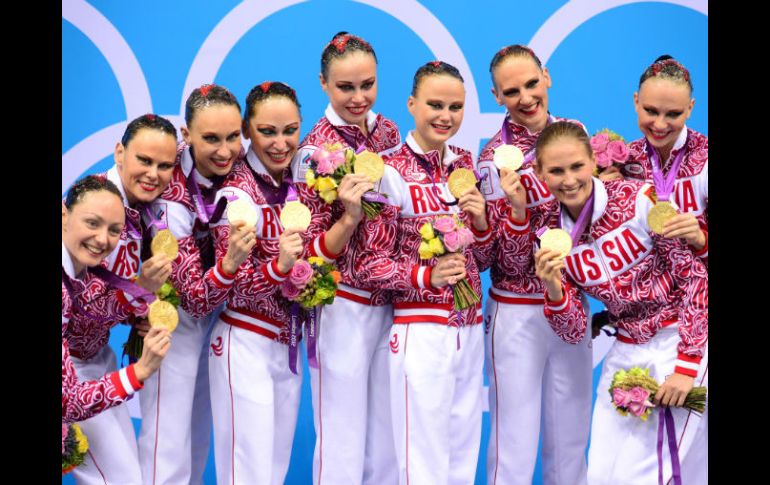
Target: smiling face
(522,88)
(351,85)
(566,167)
(145,165)
(91,228)
(215,138)
(437,107)
(662,108)
(274,133)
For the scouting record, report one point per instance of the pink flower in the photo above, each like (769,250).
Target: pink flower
(64,432)
(301,274)
(617,151)
(337,159)
(638,394)
(603,159)
(639,408)
(620,397)
(325,166)
(599,142)
(289,291)
(452,241)
(445,224)
(466,237)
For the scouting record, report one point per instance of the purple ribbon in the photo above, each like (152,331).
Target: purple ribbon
(133,231)
(127,286)
(665,185)
(582,220)
(295,334)
(111,279)
(351,142)
(312,333)
(159,224)
(666,421)
(505,134)
(372,196)
(207,211)
(276,195)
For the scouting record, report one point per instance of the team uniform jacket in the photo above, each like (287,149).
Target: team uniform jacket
(691,191)
(87,336)
(81,400)
(383,139)
(255,302)
(388,251)
(202,285)
(646,281)
(519,287)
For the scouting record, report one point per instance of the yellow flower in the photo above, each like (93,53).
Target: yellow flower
(315,260)
(425,252)
(325,184)
(436,246)
(426,231)
(310,178)
(333,147)
(329,196)
(81,439)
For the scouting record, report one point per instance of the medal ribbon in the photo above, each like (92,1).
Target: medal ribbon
(208,213)
(352,141)
(665,185)
(505,134)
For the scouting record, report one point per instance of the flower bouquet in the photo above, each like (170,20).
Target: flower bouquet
(610,150)
(74,446)
(631,391)
(449,234)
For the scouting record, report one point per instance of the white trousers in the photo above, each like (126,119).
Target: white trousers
(536,382)
(254,404)
(436,401)
(175,401)
(112,452)
(350,393)
(623,448)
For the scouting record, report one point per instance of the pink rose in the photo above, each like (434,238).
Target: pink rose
(452,241)
(620,397)
(603,160)
(638,394)
(599,142)
(617,151)
(301,274)
(466,237)
(289,291)
(444,224)
(637,408)
(337,159)
(325,166)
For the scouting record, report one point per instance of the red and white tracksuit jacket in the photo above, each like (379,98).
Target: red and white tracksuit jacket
(521,286)
(202,285)
(691,191)
(388,252)
(82,400)
(383,139)
(85,335)
(255,302)
(646,281)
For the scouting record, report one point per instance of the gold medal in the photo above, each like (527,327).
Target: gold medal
(241,210)
(371,164)
(461,181)
(295,214)
(557,240)
(659,214)
(162,314)
(165,243)
(508,156)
